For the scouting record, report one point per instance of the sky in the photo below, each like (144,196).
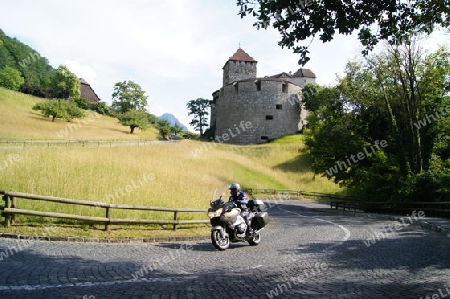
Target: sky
(174,49)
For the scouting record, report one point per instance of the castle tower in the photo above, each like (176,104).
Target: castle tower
(240,66)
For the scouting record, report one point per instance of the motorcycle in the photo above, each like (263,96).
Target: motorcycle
(230,224)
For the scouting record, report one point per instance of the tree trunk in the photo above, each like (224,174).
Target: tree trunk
(132,129)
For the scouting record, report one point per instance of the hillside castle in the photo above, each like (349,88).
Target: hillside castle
(249,110)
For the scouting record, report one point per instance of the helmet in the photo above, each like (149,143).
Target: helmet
(235,186)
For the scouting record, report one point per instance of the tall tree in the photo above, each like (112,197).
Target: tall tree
(134,119)
(11,78)
(34,68)
(198,108)
(401,96)
(390,20)
(128,95)
(65,84)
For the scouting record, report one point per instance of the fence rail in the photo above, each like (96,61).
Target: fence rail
(91,143)
(304,194)
(352,203)
(10,209)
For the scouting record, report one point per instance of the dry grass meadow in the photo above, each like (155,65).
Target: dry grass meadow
(180,175)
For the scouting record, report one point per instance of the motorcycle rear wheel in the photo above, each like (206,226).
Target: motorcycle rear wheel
(255,240)
(219,242)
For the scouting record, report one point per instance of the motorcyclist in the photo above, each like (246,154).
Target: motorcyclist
(240,199)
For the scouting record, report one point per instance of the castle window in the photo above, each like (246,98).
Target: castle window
(279,107)
(269,117)
(266,138)
(258,85)
(236,86)
(284,87)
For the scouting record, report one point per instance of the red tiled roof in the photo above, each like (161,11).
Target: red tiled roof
(240,55)
(304,73)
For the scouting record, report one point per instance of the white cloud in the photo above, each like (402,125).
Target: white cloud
(174,49)
(82,71)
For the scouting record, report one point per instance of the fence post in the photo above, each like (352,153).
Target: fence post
(13,205)
(108,214)
(175,217)
(7,216)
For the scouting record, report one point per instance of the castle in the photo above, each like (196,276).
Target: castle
(250,110)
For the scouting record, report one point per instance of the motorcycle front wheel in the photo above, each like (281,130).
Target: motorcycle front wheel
(219,242)
(255,240)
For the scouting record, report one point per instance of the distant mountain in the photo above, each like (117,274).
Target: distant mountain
(172,120)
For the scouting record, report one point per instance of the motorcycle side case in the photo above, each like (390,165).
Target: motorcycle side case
(260,220)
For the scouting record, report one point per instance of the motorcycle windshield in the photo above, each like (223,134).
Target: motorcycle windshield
(220,193)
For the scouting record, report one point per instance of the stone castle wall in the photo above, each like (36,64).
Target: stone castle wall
(257,110)
(238,70)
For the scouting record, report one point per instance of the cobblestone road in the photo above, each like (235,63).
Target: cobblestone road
(304,253)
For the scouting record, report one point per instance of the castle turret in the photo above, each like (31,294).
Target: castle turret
(240,66)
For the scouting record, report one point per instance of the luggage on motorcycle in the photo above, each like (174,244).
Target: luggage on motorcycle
(260,220)
(255,205)
(216,213)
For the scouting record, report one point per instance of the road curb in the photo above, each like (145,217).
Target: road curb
(101,240)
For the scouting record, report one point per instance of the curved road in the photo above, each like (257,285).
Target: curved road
(304,253)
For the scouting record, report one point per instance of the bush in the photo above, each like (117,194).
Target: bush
(59,109)
(34,90)
(82,103)
(101,108)
(11,78)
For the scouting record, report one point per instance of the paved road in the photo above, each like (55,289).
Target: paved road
(304,253)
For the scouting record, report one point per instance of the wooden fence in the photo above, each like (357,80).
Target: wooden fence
(10,209)
(441,209)
(32,143)
(298,193)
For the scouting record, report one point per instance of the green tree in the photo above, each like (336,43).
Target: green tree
(152,119)
(400,96)
(198,108)
(59,109)
(392,21)
(11,78)
(34,68)
(164,128)
(176,129)
(134,119)
(65,84)
(128,95)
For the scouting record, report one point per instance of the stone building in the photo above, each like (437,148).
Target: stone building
(249,110)
(86,92)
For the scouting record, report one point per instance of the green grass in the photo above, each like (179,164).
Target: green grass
(19,120)
(297,138)
(181,175)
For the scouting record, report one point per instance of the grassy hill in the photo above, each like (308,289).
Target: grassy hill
(183,174)
(20,121)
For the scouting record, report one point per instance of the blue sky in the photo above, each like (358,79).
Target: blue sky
(174,49)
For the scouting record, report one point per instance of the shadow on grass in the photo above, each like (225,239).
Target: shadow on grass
(301,163)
